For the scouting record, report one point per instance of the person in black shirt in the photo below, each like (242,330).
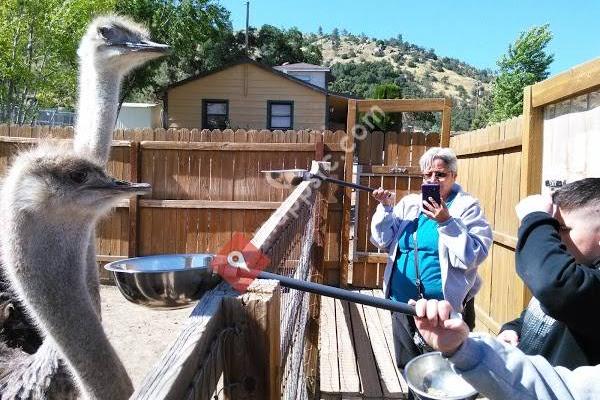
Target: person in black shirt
(558,258)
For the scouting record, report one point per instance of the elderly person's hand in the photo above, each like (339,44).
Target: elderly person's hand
(433,210)
(385,197)
(437,328)
(536,202)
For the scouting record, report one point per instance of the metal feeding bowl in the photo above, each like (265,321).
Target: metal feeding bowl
(430,376)
(164,281)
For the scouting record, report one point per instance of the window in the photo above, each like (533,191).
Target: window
(215,114)
(302,77)
(280,114)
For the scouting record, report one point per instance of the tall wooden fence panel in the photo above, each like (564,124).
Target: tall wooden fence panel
(206,185)
(489,167)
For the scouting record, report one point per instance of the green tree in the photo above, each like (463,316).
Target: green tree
(38,42)
(525,63)
(388,121)
(335,38)
(198,31)
(483,112)
(277,46)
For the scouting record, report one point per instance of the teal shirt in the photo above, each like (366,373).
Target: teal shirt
(402,283)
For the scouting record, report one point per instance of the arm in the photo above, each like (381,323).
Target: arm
(496,370)
(467,237)
(563,287)
(500,371)
(385,224)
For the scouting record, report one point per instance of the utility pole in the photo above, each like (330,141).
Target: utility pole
(247,18)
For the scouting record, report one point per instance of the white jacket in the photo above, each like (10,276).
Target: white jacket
(501,371)
(463,243)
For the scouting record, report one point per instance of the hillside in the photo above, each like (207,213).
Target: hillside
(360,63)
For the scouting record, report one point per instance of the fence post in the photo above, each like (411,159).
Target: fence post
(349,156)
(531,156)
(253,358)
(133,202)
(446,122)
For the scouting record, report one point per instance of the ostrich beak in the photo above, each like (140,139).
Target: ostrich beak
(131,187)
(148,47)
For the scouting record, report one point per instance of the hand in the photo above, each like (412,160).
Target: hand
(385,197)
(436,327)
(509,336)
(438,212)
(536,202)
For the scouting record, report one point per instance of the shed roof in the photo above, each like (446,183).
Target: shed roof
(247,60)
(301,67)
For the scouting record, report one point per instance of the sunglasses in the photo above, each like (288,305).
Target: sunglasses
(437,174)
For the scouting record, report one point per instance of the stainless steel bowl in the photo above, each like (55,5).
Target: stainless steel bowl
(164,281)
(430,376)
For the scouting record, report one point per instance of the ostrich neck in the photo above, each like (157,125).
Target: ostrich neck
(48,261)
(96,110)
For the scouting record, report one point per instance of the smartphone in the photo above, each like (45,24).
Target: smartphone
(431,190)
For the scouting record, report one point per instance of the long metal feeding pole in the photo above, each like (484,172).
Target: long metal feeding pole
(338,293)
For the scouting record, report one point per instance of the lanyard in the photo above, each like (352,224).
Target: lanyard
(418,282)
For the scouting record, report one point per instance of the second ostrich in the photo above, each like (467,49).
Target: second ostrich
(51,200)
(112,47)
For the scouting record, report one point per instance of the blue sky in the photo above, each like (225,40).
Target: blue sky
(477,32)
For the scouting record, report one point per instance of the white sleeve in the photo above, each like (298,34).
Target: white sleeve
(500,371)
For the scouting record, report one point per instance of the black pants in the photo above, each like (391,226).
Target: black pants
(404,328)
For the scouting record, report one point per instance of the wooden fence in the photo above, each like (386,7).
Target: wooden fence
(206,185)
(503,163)
(489,167)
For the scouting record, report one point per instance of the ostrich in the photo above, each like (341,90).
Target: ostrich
(112,47)
(51,200)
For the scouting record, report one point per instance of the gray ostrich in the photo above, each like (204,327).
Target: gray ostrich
(51,200)
(112,47)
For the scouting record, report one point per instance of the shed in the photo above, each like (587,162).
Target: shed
(139,115)
(250,95)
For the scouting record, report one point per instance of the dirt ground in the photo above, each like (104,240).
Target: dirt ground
(140,335)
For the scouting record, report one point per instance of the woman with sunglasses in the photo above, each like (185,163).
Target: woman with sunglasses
(433,248)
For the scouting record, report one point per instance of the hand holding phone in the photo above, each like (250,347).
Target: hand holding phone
(431,190)
(437,212)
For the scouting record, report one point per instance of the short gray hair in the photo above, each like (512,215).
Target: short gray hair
(442,153)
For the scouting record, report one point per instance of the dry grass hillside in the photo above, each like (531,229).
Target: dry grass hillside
(444,76)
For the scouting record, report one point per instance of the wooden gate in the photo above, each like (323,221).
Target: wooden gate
(390,160)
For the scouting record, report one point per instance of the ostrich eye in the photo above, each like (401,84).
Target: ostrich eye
(105,31)
(78,176)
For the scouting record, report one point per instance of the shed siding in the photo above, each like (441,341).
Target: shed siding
(245,111)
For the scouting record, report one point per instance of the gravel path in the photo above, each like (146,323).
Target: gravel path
(140,335)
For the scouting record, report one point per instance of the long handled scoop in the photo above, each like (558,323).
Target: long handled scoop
(286,178)
(337,293)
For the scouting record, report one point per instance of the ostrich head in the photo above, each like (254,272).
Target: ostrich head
(55,181)
(118,42)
